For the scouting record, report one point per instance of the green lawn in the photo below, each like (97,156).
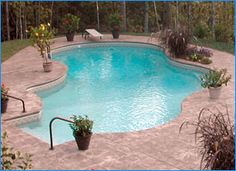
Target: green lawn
(222,46)
(9,48)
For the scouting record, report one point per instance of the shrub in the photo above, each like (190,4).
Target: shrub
(204,52)
(14,159)
(71,23)
(4,91)
(215,78)
(114,19)
(177,42)
(201,30)
(205,60)
(194,58)
(82,126)
(222,33)
(215,134)
(41,37)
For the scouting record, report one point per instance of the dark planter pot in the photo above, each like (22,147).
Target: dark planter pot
(4,105)
(83,142)
(70,37)
(115,34)
(47,66)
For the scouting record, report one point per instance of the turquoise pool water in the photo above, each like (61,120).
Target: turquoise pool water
(121,87)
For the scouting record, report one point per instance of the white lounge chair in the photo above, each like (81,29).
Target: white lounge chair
(92,32)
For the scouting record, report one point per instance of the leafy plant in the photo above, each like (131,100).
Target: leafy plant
(114,19)
(215,134)
(11,159)
(201,30)
(82,126)
(215,78)
(222,33)
(204,52)
(205,60)
(41,37)
(4,91)
(71,23)
(177,42)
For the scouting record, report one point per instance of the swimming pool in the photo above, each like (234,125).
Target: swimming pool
(123,87)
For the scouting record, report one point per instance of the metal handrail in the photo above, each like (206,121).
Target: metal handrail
(23,103)
(50,128)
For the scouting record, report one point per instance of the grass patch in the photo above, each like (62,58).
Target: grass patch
(222,46)
(11,47)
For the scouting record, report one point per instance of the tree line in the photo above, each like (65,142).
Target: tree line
(210,20)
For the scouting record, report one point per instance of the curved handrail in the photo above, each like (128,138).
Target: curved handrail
(50,128)
(23,103)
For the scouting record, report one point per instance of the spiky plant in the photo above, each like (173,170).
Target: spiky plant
(215,134)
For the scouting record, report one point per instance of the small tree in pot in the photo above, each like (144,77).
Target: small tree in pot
(82,131)
(213,80)
(41,37)
(5,99)
(71,25)
(114,22)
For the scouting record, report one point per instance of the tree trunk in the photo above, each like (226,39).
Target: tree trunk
(213,20)
(177,16)
(166,17)
(156,15)
(189,17)
(146,17)
(124,25)
(51,12)
(7,21)
(98,21)
(24,21)
(21,29)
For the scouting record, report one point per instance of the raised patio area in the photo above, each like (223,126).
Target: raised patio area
(161,147)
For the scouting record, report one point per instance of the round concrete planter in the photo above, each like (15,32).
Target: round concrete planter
(214,93)
(47,66)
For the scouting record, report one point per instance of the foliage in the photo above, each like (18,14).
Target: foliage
(204,52)
(82,126)
(194,57)
(114,19)
(12,159)
(222,46)
(71,23)
(215,78)
(41,37)
(223,34)
(215,134)
(177,42)
(205,60)
(202,30)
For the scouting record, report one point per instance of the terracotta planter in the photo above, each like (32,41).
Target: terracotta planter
(116,32)
(83,142)
(4,103)
(70,36)
(214,93)
(47,66)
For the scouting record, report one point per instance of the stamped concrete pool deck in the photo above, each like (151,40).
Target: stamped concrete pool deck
(161,147)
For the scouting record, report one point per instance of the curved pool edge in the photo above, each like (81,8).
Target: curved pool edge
(57,81)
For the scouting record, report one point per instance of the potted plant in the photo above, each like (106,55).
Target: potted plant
(71,25)
(114,22)
(213,80)
(5,99)
(82,131)
(41,37)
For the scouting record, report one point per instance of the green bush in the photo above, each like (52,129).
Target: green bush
(71,23)
(201,30)
(215,78)
(82,126)
(205,60)
(114,19)
(223,34)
